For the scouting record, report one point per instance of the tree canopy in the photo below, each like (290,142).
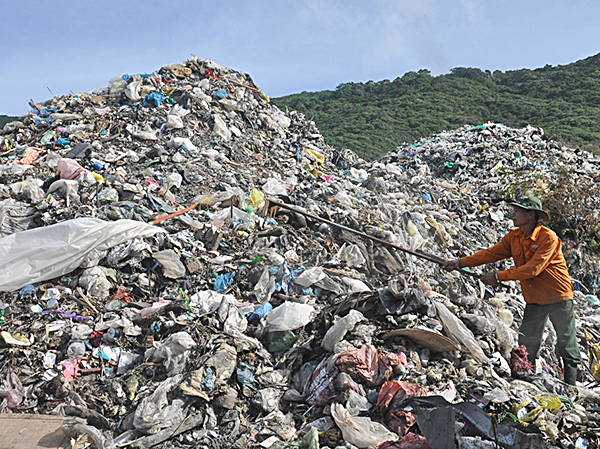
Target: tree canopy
(373,118)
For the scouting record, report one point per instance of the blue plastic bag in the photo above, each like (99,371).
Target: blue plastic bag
(29,290)
(220,94)
(153,99)
(62,141)
(223,281)
(261,311)
(245,375)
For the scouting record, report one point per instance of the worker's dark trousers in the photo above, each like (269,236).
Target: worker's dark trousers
(562,317)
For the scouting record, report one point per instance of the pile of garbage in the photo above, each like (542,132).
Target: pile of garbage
(184,265)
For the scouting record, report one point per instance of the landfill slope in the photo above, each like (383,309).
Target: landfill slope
(152,291)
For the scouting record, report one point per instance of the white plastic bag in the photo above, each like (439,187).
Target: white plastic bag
(336,333)
(67,188)
(172,353)
(174,122)
(288,316)
(172,266)
(178,142)
(360,431)
(95,282)
(221,129)
(274,187)
(461,333)
(309,277)
(155,413)
(355,285)
(351,254)
(44,253)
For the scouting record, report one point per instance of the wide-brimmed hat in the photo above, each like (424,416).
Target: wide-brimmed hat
(531,203)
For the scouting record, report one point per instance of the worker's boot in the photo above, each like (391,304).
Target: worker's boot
(570,374)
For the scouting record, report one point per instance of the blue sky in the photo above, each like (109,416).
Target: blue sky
(286,46)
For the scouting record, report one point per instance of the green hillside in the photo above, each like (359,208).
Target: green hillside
(375,117)
(4,119)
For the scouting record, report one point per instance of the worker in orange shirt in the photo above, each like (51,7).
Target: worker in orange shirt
(545,282)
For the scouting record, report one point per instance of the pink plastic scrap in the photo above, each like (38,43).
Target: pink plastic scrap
(69,169)
(70,370)
(519,362)
(398,390)
(154,308)
(368,365)
(394,392)
(29,155)
(410,441)
(12,392)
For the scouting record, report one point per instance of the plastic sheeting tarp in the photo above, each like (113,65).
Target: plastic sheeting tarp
(45,253)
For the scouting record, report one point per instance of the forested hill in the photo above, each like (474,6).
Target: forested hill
(4,119)
(375,117)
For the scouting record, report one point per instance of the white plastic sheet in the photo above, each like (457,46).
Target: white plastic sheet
(289,316)
(44,253)
(457,329)
(358,430)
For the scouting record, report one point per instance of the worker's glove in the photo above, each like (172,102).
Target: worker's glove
(490,278)
(451,265)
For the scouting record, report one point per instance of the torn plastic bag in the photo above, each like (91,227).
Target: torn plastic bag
(208,301)
(288,316)
(69,169)
(358,430)
(309,277)
(266,400)
(11,391)
(308,441)
(357,401)
(154,308)
(174,122)
(396,391)
(213,375)
(355,285)
(155,413)
(282,424)
(265,287)
(320,390)
(172,353)
(336,333)
(351,255)
(455,328)
(410,299)
(80,151)
(182,142)
(172,266)
(260,311)
(44,253)
(409,441)
(74,428)
(95,282)
(67,189)
(15,217)
(224,281)
(366,364)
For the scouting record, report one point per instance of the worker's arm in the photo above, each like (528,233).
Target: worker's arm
(499,251)
(547,245)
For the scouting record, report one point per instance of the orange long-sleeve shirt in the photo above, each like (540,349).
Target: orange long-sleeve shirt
(539,264)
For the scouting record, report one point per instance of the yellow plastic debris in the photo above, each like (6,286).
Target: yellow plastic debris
(98,177)
(594,355)
(550,403)
(319,157)
(256,198)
